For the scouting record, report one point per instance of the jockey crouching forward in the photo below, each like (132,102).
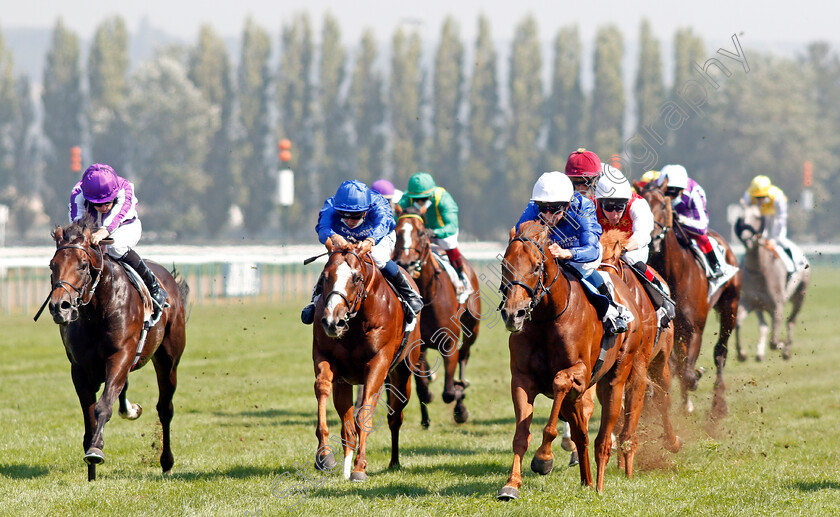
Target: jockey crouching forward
(619,208)
(109,200)
(574,234)
(362,215)
(688,200)
(772,203)
(440,217)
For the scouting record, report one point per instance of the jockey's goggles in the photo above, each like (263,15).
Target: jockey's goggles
(673,192)
(351,215)
(106,203)
(551,207)
(613,206)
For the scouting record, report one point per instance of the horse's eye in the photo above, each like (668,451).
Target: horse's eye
(357,277)
(81,266)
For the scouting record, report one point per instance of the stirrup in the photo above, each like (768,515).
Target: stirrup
(613,326)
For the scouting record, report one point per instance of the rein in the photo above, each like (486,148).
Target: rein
(361,294)
(77,302)
(539,291)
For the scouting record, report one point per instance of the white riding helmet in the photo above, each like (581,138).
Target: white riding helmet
(676,174)
(553,187)
(612,185)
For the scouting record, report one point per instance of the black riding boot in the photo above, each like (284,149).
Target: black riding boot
(307,315)
(412,297)
(714,264)
(613,323)
(159,295)
(664,305)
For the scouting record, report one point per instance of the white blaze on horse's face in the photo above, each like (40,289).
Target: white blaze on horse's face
(343,276)
(406,230)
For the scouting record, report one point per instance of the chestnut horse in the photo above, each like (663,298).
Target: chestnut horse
(656,343)
(690,290)
(100,318)
(445,320)
(555,350)
(360,340)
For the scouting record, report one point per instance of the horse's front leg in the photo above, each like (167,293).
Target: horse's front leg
(324,457)
(778,321)
(742,315)
(374,381)
(86,392)
(523,392)
(763,333)
(116,375)
(565,381)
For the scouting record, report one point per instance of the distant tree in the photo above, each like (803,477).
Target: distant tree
(62,122)
(526,105)
(295,97)
(608,101)
(210,71)
(447,127)
(483,179)
(566,106)
(405,105)
(172,126)
(107,71)
(686,144)
(333,116)
(367,111)
(649,89)
(254,81)
(9,120)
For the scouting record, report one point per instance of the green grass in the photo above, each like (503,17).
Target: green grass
(245,415)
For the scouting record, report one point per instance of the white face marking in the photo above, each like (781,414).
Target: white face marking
(343,274)
(406,232)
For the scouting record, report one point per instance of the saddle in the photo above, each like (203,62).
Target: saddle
(443,260)
(151,315)
(726,268)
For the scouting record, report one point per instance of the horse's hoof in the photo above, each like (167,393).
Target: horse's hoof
(786,354)
(742,357)
(759,358)
(508,493)
(541,467)
(774,346)
(358,477)
(461,416)
(425,424)
(689,407)
(464,383)
(325,462)
(167,473)
(94,456)
(433,377)
(132,412)
(567,444)
(574,459)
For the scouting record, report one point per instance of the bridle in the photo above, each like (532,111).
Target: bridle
(78,300)
(361,294)
(537,292)
(423,254)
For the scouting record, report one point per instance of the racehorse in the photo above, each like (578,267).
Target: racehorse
(361,340)
(690,290)
(100,317)
(556,350)
(445,320)
(657,343)
(766,286)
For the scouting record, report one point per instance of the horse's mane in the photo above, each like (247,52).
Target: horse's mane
(74,233)
(413,210)
(613,241)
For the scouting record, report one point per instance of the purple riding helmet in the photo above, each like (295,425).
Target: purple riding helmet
(99,183)
(384,187)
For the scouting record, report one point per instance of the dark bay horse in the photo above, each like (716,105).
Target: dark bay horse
(555,350)
(100,317)
(690,290)
(360,341)
(445,321)
(766,287)
(656,344)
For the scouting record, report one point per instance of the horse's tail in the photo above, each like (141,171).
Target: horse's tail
(183,290)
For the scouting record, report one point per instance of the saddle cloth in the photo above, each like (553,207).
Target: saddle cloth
(720,252)
(150,319)
(443,260)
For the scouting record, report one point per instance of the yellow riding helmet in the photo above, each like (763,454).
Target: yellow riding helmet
(760,186)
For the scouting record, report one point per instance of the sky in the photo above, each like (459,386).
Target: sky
(758,21)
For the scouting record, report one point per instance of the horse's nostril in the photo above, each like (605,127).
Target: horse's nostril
(520,313)
(341,324)
(65,305)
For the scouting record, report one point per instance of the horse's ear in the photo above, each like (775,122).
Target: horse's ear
(58,233)
(512,233)
(664,185)
(398,209)
(86,233)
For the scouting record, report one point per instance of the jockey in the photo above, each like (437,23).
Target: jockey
(361,215)
(689,202)
(619,208)
(440,218)
(772,203)
(387,190)
(574,236)
(109,199)
(583,168)
(647,177)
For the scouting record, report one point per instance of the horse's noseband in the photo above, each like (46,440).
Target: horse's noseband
(535,293)
(361,294)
